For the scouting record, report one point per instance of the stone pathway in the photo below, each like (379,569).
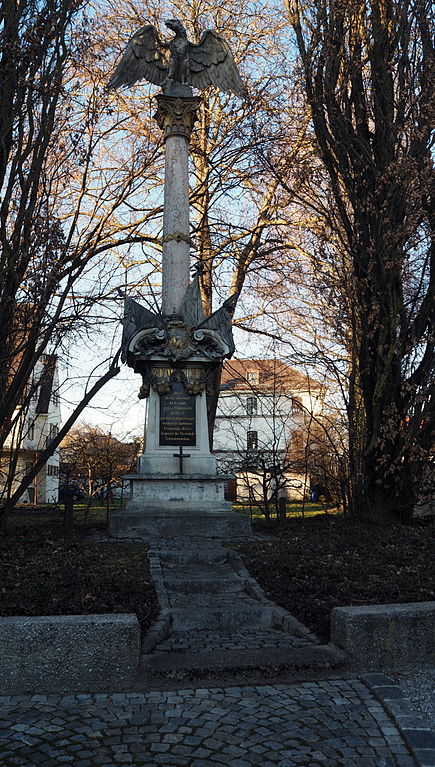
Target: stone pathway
(214,615)
(335,723)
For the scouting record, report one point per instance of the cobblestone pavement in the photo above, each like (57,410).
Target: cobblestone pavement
(336,723)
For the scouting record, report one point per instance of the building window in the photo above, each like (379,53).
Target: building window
(31,432)
(251,405)
(55,399)
(252,440)
(52,471)
(54,430)
(253,376)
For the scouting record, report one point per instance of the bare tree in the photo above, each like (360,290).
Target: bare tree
(367,74)
(95,461)
(63,220)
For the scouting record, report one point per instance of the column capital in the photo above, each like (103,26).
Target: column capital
(176,115)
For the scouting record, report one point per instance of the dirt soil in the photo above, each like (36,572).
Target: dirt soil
(43,572)
(306,565)
(318,563)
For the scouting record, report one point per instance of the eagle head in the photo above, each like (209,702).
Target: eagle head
(175,25)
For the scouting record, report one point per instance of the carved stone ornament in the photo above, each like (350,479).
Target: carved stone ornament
(161,379)
(144,389)
(176,337)
(176,116)
(175,340)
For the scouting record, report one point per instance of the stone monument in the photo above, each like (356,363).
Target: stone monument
(178,350)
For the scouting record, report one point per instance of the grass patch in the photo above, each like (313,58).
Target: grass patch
(53,515)
(327,561)
(293,509)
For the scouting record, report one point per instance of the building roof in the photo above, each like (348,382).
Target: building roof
(265,375)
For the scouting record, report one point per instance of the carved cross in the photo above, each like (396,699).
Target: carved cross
(180,455)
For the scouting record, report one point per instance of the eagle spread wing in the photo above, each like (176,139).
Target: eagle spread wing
(143,58)
(211,63)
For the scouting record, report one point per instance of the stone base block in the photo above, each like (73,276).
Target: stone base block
(157,524)
(66,653)
(187,505)
(182,492)
(382,637)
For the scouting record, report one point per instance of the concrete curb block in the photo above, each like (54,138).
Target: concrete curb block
(411,724)
(58,653)
(401,633)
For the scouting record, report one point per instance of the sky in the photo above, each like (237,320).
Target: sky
(117,407)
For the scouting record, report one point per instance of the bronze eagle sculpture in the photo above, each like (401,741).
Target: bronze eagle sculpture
(179,62)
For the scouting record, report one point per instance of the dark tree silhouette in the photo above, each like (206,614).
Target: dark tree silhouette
(368,74)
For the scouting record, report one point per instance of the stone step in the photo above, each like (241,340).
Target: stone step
(193,602)
(212,608)
(153,522)
(274,660)
(215,602)
(225,617)
(196,571)
(200,585)
(192,559)
(249,638)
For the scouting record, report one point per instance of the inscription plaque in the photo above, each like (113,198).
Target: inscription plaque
(177,417)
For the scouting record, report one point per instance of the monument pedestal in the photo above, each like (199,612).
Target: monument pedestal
(177,491)
(188,505)
(175,419)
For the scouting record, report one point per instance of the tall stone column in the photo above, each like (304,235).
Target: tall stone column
(175,116)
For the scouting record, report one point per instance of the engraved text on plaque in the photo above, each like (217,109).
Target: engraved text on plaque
(177,417)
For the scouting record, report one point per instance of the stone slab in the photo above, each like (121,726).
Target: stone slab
(378,637)
(160,525)
(60,653)
(200,585)
(182,492)
(224,617)
(162,460)
(312,657)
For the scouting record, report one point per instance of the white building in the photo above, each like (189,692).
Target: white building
(35,426)
(262,422)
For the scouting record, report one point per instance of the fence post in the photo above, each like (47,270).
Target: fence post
(68,512)
(282,508)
